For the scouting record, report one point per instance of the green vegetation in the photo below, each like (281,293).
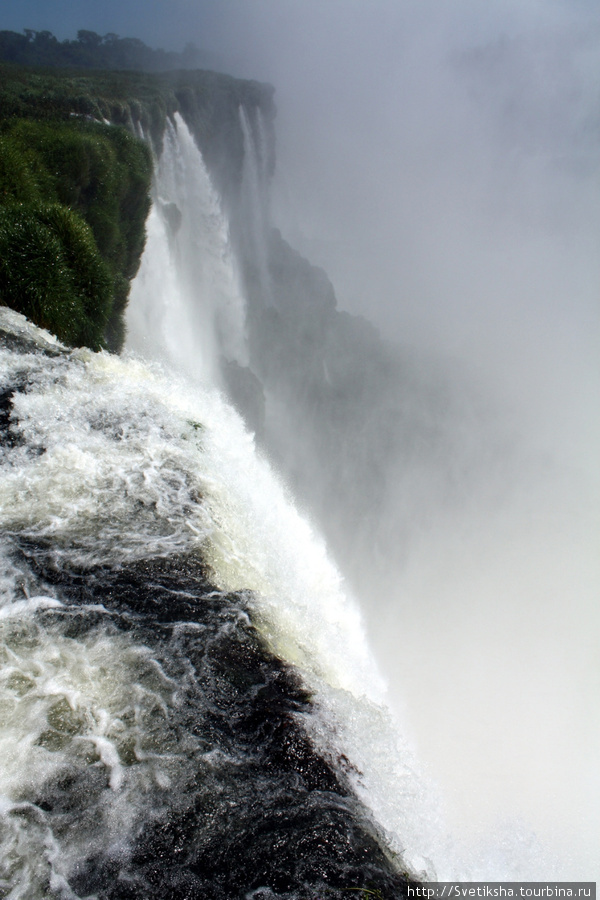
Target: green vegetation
(121,98)
(73,203)
(51,271)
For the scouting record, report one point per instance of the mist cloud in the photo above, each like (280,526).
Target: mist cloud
(441,162)
(442,165)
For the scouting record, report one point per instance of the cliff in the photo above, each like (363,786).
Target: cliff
(75,183)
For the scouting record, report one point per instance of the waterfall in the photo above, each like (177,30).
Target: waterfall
(188,701)
(186,683)
(186,303)
(259,541)
(254,212)
(152,566)
(285,563)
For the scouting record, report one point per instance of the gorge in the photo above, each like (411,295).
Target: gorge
(190,705)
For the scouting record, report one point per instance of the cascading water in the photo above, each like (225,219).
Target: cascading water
(308,618)
(188,704)
(151,740)
(198,315)
(187,701)
(264,545)
(254,202)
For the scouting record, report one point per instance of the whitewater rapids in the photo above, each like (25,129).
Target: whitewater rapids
(159,589)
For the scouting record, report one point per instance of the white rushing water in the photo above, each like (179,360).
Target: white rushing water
(259,541)
(138,463)
(117,460)
(186,305)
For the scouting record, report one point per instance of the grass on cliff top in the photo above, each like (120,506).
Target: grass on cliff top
(121,97)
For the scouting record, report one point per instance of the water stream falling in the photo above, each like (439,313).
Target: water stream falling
(254,200)
(185,683)
(264,544)
(336,654)
(189,707)
(305,610)
(186,305)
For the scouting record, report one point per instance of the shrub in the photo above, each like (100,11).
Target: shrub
(51,271)
(85,185)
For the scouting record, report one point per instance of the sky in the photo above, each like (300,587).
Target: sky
(441,161)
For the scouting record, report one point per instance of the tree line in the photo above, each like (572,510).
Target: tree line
(91,50)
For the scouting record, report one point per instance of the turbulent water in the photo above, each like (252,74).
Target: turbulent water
(188,705)
(188,708)
(154,743)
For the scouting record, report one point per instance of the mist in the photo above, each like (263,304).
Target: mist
(442,166)
(440,161)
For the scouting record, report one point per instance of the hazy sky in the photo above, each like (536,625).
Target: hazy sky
(169,23)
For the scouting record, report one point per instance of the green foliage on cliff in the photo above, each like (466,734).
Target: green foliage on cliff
(51,271)
(121,98)
(74,196)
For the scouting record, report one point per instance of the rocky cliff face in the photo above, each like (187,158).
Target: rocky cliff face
(352,421)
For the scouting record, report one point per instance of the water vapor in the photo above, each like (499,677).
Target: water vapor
(442,165)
